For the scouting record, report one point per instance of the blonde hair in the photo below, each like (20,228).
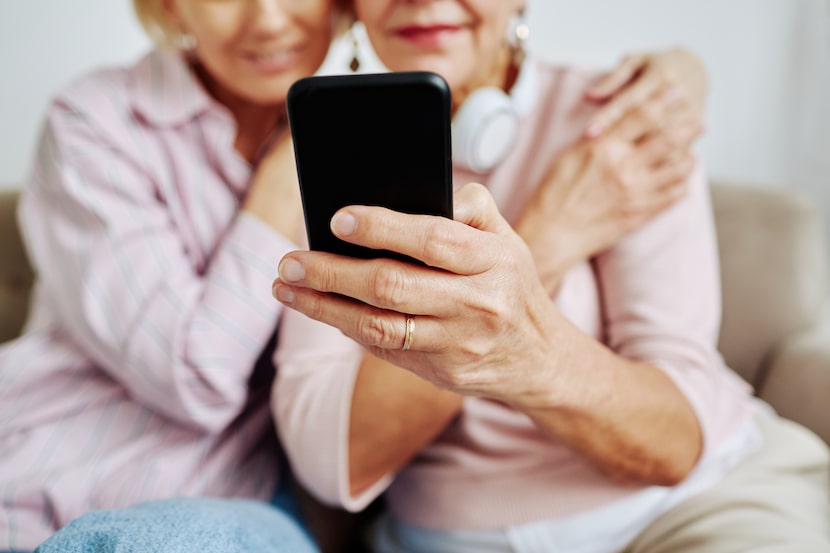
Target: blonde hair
(157,23)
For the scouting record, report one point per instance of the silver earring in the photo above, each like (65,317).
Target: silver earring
(521,32)
(354,65)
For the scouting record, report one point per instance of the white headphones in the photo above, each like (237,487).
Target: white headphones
(485,127)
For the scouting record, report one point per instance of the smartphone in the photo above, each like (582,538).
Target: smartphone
(370,139)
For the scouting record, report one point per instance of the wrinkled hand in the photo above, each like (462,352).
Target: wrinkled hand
(600,190)
(482,318)
(642,78)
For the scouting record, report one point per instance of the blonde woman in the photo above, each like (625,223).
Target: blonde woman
(161,196)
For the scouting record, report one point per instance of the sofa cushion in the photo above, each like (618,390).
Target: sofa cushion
(15,271)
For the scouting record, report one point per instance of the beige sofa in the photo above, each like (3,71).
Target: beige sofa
(775,282)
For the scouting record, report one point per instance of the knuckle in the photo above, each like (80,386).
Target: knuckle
(325,277)
(376,331)
(313,307)
(439,241)
(389,286)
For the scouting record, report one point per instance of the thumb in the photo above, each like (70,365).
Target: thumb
(474,206)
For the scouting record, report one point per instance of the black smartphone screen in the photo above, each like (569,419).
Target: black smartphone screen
(380,139)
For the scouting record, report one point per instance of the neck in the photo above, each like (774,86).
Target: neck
(255,123)
(501,74)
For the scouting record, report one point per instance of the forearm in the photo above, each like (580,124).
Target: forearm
(394,414)
(627,416)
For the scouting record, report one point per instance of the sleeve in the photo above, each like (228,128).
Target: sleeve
(113,265)
(311,401)
(661,300)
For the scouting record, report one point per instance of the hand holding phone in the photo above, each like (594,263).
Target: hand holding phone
(381,140)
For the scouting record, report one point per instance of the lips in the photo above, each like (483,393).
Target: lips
(428,35)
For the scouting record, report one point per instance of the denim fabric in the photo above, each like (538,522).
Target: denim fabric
(184,525)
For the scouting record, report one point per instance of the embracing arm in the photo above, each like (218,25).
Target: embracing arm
(632,164)
(112,262)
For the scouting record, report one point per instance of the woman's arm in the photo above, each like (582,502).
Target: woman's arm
(486,327)
(349,420)
(113,263)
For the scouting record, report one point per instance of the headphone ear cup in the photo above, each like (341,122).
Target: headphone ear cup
(484,129)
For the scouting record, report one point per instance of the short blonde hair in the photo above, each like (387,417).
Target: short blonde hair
(157,23)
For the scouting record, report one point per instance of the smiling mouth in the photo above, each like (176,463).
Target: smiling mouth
(427,35)
(274,57)
(278,60)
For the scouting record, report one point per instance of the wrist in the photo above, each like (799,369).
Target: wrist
(554,249)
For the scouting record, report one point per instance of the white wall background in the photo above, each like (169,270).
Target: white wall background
(769,62)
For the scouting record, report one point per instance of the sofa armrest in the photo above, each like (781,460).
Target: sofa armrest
(797,382)
(773,271)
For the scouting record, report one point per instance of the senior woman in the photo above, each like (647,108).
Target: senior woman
(502,408)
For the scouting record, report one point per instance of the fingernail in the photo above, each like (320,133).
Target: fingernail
(291,270)
(284,294)
(343,224)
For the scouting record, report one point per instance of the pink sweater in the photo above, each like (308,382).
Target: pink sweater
(135,378)
(654,297)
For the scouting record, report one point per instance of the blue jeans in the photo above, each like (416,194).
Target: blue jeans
(185,525)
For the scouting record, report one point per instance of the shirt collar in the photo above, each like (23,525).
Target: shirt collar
(525,91)
(164,90)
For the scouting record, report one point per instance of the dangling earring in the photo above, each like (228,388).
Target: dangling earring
(354,65)
(187,42)
(521,32)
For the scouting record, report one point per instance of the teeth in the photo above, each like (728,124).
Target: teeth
(274,56)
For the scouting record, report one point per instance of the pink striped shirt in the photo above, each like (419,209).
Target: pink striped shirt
(135,378)
(654,297)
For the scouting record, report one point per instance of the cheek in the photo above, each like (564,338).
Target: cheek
(369,10)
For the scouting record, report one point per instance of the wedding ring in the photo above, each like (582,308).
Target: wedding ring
(410,330)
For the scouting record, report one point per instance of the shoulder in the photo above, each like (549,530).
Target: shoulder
(91,113)
(99,96)
(570,77)
(561,90)
(158,91)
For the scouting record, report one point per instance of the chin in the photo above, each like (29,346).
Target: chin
(266,93)
(447,68)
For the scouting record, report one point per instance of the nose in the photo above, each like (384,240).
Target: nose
(269,16)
